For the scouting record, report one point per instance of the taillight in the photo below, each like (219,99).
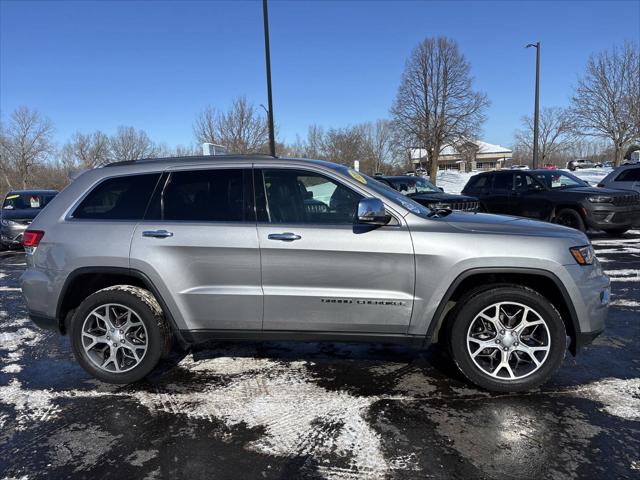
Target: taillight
(31,238)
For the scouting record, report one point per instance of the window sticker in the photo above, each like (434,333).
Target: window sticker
(357,176)
(35,202)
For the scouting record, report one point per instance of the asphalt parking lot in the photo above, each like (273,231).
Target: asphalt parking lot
(311,410)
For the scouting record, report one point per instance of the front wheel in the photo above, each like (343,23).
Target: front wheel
(570,218)
(507,339)
(119,334)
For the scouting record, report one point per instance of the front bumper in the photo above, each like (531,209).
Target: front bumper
(607,216)
(12,234)
(590,292)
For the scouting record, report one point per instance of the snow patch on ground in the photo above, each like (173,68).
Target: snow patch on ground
(620,397)
(15,342)
(625,303)
(12,368)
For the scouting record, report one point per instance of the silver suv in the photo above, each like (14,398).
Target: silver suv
(133,255)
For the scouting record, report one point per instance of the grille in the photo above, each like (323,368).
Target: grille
(463,206)
(626,200)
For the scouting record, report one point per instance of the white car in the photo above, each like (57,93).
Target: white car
(626,177)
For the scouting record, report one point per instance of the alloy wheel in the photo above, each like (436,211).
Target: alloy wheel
(114,338)
(508,340)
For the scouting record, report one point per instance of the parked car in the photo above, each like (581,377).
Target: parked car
(132,255)
(19,208)
(556,196)
(624,178)
(519,167)
(426,193)
(580,163)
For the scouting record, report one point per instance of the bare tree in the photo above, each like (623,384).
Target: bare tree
(28,142)
(4,157)
(436,104)
(242,129)
(554,133)
(605,102)
(86,150)
(131,144)
(378,146)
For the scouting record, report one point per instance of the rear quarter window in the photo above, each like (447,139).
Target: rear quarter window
(119,198)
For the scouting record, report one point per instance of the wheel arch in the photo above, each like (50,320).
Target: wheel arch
(542,281)
(84,281)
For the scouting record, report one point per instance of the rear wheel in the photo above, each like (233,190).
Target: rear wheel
(570,218)
(507,339)
(119,334)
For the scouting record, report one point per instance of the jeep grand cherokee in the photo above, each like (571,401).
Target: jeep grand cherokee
(132,255)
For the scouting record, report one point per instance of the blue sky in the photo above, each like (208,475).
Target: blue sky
(155,64)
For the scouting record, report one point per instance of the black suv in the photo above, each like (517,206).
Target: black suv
(426,193)
(556,196)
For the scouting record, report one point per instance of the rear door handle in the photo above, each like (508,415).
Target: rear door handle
(157,233)
(285,237)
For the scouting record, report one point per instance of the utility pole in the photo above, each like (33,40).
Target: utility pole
(537,105)
(272,138)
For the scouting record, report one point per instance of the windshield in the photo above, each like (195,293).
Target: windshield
(26,201)
(557,180)
(386,191)
(413,185)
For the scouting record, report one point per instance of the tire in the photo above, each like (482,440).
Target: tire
(468,329)
(570,218)
(119,352)
(616,232)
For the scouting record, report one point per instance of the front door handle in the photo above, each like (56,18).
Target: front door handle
(157,233)
(285,237)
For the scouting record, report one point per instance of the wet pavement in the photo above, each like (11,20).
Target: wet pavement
(312,410)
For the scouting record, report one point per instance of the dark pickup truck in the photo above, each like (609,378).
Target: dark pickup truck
(556,196)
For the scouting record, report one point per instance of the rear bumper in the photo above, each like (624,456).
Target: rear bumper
(605,217)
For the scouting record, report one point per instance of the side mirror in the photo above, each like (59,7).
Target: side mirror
(371,212)
(441,189)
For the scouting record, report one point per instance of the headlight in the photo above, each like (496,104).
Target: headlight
(7,223)
(600,199)
(583,255)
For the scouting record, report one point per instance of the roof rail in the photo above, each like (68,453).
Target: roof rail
(187,158)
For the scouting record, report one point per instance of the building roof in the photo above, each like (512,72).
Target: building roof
(483,147)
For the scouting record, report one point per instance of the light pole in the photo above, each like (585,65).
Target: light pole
(272,138)
(537,105)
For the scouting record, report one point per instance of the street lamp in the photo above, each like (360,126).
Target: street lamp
(272,139)
(537,105)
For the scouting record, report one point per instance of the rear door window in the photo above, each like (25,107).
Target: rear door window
(119,198)
(217,195)
(503,181)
